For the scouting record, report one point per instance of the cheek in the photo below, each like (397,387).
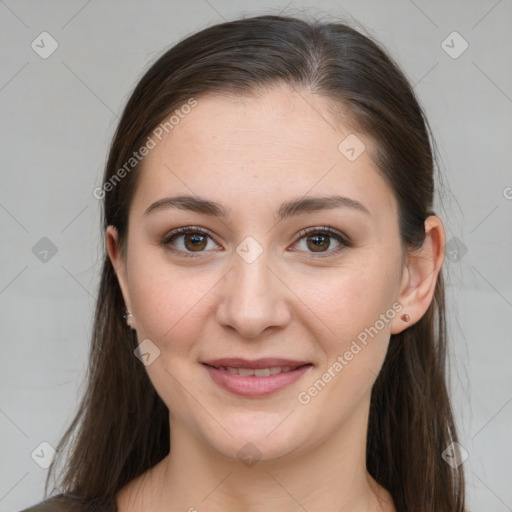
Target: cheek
(350,315)
(170,304)
(351,319)
(170,308)
(345,304)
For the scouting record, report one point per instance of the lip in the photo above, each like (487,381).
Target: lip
(238,362)
(252,386)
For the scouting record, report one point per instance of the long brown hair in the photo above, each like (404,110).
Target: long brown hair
(122,426)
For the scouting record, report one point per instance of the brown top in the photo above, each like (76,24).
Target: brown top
(62,503)
(49,506)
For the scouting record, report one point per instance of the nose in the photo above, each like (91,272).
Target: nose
(254,298)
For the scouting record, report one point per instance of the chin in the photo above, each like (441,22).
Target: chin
(258,435)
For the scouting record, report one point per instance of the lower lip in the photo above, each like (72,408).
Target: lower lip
(252,386)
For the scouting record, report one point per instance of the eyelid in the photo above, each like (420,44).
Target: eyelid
(188,229)
(325,229)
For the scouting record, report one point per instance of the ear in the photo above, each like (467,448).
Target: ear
(118,261)
(420,275)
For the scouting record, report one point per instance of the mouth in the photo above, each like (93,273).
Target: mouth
(257,372)
(256,378)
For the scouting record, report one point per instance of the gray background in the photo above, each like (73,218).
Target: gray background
(59,114)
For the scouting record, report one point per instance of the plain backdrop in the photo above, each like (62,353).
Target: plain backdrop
(58,115)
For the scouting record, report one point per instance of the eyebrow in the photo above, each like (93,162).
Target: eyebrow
(296,207)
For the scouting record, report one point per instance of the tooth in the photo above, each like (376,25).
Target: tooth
(232,370)
(275,370)
(245,372)
(285,368)
(262,372)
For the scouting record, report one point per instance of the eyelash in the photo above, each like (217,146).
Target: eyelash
(323,230)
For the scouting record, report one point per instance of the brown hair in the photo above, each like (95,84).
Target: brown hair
(122,426)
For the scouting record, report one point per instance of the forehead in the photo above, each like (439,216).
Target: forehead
(254,150)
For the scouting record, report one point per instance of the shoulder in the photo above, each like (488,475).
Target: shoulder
(64,503)
(55,504)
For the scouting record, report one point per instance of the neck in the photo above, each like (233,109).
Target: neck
(330,477)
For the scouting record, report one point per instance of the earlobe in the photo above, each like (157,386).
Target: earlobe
(420,276)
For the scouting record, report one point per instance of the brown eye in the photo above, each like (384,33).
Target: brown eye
(320,241)
(195,241)
(187,241)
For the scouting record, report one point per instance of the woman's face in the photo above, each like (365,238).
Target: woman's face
(250,285)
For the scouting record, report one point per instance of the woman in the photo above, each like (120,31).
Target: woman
(270,327)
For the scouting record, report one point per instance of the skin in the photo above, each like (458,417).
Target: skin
(251,154)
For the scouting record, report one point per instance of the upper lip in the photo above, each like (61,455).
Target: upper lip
(266,362)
